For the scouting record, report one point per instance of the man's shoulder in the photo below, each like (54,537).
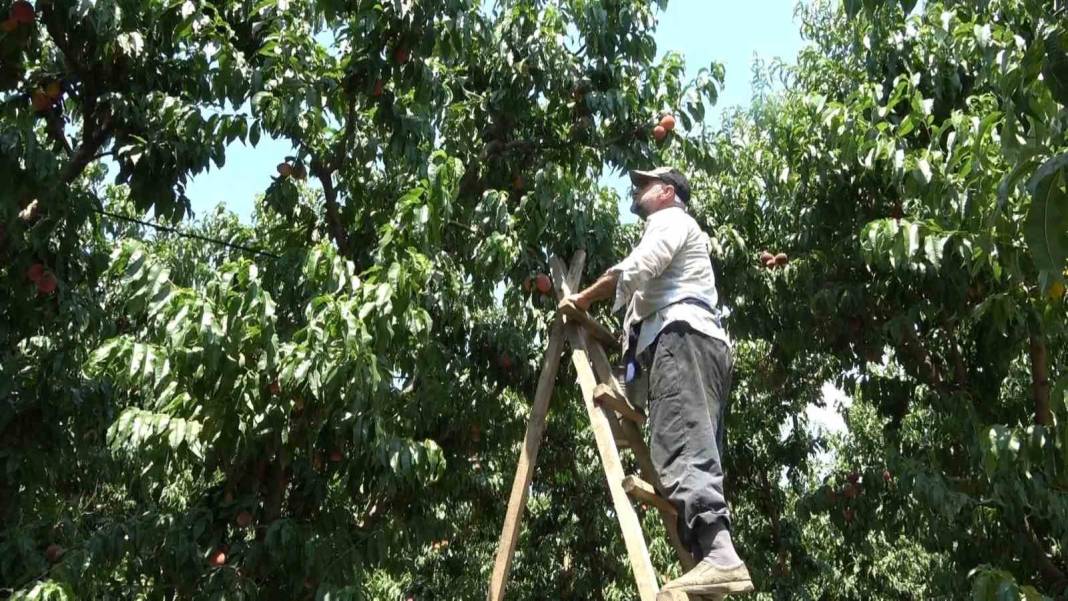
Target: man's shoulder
(671,217)
(677,219)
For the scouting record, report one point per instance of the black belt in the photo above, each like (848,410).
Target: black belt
(630,360)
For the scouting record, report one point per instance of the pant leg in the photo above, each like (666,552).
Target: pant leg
(689,384)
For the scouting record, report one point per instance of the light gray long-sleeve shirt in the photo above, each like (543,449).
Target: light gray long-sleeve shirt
(669,264)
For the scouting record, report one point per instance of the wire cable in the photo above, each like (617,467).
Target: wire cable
(177,232)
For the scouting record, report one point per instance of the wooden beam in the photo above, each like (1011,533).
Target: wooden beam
(644,492)
(528,454)
(617,433)
(528,457)
(574,274)
(684,596)
(636,438)
(582,318)
(633,537)
(606,395)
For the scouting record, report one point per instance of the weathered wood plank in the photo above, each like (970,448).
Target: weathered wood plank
(598,331)
(633,537)
(528,454)
(682,596)
(644,492)
(636,438)
(606,395)
(574,273)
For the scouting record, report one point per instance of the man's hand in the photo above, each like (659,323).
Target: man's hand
(579,300)
(603,288)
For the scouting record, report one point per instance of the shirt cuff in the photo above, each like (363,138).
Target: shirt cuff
(622,286)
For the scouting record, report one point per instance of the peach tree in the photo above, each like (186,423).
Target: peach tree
(329,404)
(913,169)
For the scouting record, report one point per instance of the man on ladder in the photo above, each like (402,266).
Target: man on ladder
(678,351)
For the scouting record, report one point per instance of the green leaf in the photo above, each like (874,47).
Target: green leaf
(1046,227)
(1055,70)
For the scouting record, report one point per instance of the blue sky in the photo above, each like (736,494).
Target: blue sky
(731,33)
(725,31)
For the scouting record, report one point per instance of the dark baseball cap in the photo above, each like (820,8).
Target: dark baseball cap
(668,175)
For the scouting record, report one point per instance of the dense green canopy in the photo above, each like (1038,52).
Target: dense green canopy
(330,404)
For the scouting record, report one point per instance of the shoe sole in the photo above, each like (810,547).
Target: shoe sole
(717,590)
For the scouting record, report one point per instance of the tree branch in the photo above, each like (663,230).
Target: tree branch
(277,483)
(333,216)
(1040,380)
(94,138)
(71,58)
(54,129)
(342,147)
(927,368)
(1053,575)
(776,522)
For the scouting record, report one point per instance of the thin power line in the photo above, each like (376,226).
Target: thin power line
(182,234)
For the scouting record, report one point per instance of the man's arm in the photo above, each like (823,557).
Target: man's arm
(648,260)
(604,287)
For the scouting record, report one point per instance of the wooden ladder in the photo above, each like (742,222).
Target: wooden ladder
(615,423)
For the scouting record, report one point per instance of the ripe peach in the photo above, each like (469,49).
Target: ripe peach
(54,553)
(505,361)
(543,283)
(35,272)
(21,12)
(40,101)
(47,283)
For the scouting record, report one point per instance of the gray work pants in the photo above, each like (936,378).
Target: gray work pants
(689,384)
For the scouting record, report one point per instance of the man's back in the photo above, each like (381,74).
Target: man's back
(670,265)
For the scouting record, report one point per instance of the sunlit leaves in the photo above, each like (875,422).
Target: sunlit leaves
(1047,220)
(138,432)
(900,244)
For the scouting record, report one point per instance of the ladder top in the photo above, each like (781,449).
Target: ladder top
(598,331)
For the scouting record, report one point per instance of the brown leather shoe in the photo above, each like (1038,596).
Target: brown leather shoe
(706,578)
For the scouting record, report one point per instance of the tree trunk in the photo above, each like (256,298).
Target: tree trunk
(333,216)
(1040,380)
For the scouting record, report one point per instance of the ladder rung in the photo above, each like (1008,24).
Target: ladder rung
(676,595)
(599,332)
(605,395)
(644,492)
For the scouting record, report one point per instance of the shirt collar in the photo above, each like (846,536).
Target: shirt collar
(663,213)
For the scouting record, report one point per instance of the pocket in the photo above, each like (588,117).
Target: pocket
(664,371)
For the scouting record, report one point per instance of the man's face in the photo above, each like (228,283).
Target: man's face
(646,197)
